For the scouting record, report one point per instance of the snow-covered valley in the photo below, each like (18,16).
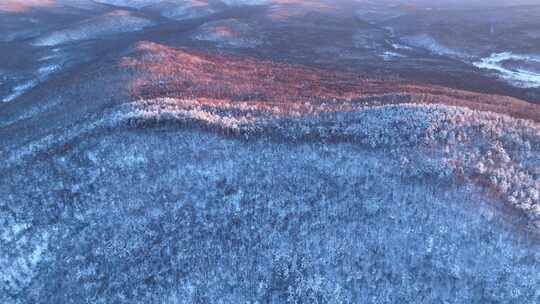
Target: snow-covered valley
(518,76)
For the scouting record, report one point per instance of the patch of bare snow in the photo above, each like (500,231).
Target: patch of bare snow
(433,46)
(19,90)
(518,77)
(47,57)
(388,55)
(398,46)
(186,10)
(45,71)
(109,24)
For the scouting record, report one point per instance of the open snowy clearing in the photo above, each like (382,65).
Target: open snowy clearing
(112,23)
(517,76)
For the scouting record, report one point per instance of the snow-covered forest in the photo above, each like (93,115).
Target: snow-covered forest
(269,152)
(177,202)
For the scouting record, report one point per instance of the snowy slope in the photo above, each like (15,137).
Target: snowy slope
(184,10)
(112,23)
(335,207)
(229,33)
(288,193)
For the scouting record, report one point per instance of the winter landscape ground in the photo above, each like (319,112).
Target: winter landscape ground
(269,151)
